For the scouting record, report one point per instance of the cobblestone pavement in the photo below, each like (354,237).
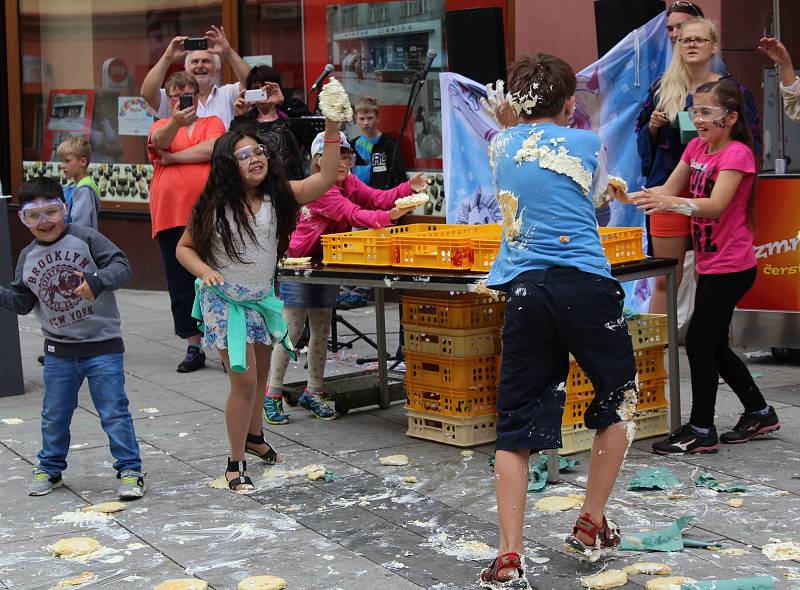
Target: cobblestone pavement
(367,528)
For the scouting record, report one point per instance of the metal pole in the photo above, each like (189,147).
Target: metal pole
(780,160)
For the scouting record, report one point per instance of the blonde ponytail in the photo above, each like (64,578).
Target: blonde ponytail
(674,87)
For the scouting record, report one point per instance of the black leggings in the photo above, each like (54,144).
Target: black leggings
(180,283)
(710,355)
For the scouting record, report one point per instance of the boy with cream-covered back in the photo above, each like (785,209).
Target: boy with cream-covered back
(561,300)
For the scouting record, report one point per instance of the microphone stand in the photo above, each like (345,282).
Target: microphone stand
(308,100)
(416,88)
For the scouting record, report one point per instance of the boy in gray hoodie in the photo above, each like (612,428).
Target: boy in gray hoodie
(67,275)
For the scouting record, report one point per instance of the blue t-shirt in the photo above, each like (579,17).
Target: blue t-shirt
(557,175)
(363,147)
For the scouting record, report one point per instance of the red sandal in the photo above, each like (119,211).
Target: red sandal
(512,561)
(606,537)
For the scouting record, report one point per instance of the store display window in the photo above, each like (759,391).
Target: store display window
(82,64)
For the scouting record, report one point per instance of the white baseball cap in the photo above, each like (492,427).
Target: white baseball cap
(319,143)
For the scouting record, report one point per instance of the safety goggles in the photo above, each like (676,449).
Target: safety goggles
(707,114)
(34,213)
(686,5)
(249,152)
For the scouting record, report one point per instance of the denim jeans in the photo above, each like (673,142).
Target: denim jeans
(62,379)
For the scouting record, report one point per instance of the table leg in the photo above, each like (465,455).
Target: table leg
(380,328)
(553,475)
(672,353)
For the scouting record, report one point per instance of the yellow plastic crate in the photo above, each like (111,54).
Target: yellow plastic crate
(652,395)
(453,312)
(649,423)
(369,247)
(450,372)
(622,244)
(459,432)
(454,402)
(649,365)
(446,248)
(451,343)
(485,251)
(649,329)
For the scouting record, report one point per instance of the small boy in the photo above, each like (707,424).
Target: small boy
(561,299)
(82,194)
(382,169)
(67,275)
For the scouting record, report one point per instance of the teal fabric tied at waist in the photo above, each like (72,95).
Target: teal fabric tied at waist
(270,308)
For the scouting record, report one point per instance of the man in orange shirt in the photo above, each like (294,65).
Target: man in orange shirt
(180,149)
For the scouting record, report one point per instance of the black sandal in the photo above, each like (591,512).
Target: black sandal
(270,457)
(243,480)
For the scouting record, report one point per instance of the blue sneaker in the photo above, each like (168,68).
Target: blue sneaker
(318,405)
(273,411)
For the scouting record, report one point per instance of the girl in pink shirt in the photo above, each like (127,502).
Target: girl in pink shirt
(348,203)
(719,168)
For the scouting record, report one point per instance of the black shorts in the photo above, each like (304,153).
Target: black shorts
(551,313)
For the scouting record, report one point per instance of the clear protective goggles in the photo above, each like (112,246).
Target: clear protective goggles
(34,213)
(249,152)
(707,114)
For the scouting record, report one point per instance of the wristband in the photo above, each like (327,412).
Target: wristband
(337,140)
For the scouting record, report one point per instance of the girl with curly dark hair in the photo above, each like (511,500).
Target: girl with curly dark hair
(239,228)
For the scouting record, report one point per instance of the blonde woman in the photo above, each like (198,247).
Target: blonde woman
(659,138)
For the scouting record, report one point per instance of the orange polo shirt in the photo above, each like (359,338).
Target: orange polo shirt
(175,188)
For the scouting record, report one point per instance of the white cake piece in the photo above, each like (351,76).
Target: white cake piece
(334,102)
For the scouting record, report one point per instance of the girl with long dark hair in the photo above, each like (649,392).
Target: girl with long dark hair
(239,228)
(720,170)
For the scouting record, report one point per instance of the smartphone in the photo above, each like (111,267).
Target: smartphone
(185,101)
(195,43)
(257,95)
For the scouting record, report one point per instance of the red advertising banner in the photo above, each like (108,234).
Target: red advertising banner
(777,241)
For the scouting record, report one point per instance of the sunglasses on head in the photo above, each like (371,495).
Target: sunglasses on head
(691,8)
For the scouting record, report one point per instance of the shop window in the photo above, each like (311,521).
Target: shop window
(415,7)
(271,33)
(377,13)
(83,63)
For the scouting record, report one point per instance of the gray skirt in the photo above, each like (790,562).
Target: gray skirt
(306,295)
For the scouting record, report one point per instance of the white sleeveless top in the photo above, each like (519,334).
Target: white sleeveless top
(251,279)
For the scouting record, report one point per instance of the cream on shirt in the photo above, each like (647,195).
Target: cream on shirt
(219,103)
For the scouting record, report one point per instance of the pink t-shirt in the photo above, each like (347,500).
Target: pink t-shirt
(721,245)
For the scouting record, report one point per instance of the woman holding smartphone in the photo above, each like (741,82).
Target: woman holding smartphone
(270,122)
(179,147)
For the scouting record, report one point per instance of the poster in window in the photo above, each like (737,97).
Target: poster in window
(377,49)
(69,113)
